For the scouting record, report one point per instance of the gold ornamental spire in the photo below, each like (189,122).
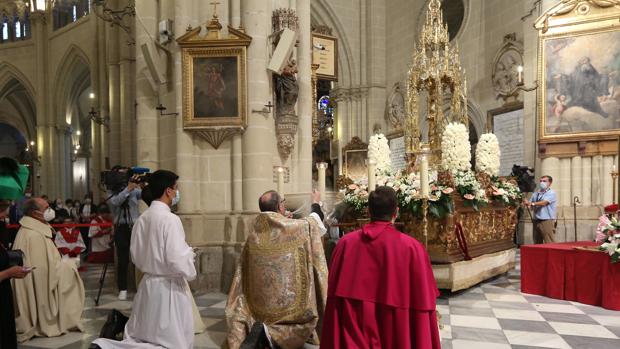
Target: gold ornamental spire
(436,73)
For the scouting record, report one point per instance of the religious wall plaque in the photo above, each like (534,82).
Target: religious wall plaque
(325,54)
(579,71)
(508,125)
(214,82)
(398,155)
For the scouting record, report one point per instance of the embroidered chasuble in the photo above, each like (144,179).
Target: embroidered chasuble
(281,281)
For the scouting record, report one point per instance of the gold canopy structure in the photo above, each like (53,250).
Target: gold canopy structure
(436,73)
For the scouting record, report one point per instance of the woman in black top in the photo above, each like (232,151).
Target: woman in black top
(8,335)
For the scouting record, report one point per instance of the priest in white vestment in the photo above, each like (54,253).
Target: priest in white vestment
(49,301)
(162,310)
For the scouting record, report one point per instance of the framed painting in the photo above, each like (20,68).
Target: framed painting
(325,54)
(354,159)
(214,83)
(579,71)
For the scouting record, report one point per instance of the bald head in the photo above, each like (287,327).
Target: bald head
(35,207)
(270,201)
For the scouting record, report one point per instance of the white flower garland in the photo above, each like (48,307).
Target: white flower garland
(455,148)
(488,155)
(379,151)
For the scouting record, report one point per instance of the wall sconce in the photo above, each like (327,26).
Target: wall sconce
(521,85)
(99,120)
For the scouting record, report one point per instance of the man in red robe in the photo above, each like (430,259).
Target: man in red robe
(381,291)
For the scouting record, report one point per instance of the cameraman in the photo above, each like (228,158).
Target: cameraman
(125,208)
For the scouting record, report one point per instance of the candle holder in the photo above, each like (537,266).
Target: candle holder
(614,175)
(372,176)
(425,220)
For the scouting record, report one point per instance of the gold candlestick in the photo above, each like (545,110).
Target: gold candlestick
(425,220)
(614,176)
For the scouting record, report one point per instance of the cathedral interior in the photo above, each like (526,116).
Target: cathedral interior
(239,97)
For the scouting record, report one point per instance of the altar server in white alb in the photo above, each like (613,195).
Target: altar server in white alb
(162,308)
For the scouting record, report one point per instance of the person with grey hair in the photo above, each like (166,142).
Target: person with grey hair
(279,290)
(50,299)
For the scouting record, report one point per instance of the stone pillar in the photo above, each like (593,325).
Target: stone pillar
(237,173)
(562,177)
(576,178)
(586,181)
(147,120)
(235,13)
(607,183)
(597,181)
(259,142)
(304,104)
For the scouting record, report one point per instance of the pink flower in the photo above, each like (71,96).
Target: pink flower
(447,190)
(433,197)
(601,229)
(353,186)
(434,187)
(468,196)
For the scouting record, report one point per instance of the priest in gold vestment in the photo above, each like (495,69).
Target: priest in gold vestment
(280,285)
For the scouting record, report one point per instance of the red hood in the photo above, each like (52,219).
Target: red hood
(373,230)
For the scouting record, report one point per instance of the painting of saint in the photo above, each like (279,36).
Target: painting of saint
(216,92)
(355,162)
(582,85)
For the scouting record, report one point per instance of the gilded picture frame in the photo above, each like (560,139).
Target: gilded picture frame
(354,155)
(579,72)
(214,83)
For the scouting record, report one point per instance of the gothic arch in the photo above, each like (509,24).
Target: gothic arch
(322,13)
(73,74)
(17,91)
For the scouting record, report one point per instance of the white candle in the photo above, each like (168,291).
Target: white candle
(372,180)
(321,167)
(520,74)
(424,176)
(281,181)
(613,169)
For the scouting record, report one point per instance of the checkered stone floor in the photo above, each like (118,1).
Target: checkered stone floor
(493,315)
(496,315)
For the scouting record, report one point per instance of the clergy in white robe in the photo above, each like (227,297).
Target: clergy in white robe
(162,310)
(49,301)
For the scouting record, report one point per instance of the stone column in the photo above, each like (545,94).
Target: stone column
(577,178)
(304,103)
(237,173)
(607,183)
(563,179)
(147,125)
(259,142)
(597,181)
(586,181)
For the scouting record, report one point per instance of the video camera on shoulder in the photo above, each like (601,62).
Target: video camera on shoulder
(117,179)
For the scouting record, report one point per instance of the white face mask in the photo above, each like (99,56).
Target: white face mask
(544,185)
(176,199)
(49,215)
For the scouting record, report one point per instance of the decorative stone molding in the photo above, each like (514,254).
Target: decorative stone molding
(395,107)
(581,7)
(505,64)
(12,8)
(349,94)
(322,29)
(215,137)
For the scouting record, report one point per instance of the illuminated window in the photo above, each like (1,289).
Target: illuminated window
(5,31)
(74,13)
(18,29)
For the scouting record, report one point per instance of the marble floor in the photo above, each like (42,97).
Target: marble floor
(493,314)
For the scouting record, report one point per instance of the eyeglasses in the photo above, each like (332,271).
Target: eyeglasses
(282,201)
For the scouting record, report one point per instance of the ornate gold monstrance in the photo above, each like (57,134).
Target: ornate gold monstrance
(436,73)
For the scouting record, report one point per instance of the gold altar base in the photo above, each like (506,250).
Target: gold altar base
(488,230)
(461,275)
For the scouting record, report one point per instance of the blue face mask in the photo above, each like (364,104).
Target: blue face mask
(176,199)
(544,185)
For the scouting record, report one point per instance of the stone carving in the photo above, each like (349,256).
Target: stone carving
(505,68)
(287,91)
(395,109)
(284,18)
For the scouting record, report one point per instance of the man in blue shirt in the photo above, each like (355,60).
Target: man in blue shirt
(125,208)
(544,205)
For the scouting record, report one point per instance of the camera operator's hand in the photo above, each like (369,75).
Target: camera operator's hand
(133,184)
(526,203)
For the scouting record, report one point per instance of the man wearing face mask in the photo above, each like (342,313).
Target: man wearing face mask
(162,309)
(50,300)
(543,203)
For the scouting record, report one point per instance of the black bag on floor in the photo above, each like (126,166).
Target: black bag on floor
(114,325)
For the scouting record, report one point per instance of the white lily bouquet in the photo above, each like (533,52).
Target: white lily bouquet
(379,151)
(608,234)
(488,155)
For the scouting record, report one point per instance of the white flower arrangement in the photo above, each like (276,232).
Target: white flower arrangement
(455,148)
(488,155)
(507,192)
(379,151)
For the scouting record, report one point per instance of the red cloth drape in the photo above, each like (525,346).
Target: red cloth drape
(381,292)
(560,271)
